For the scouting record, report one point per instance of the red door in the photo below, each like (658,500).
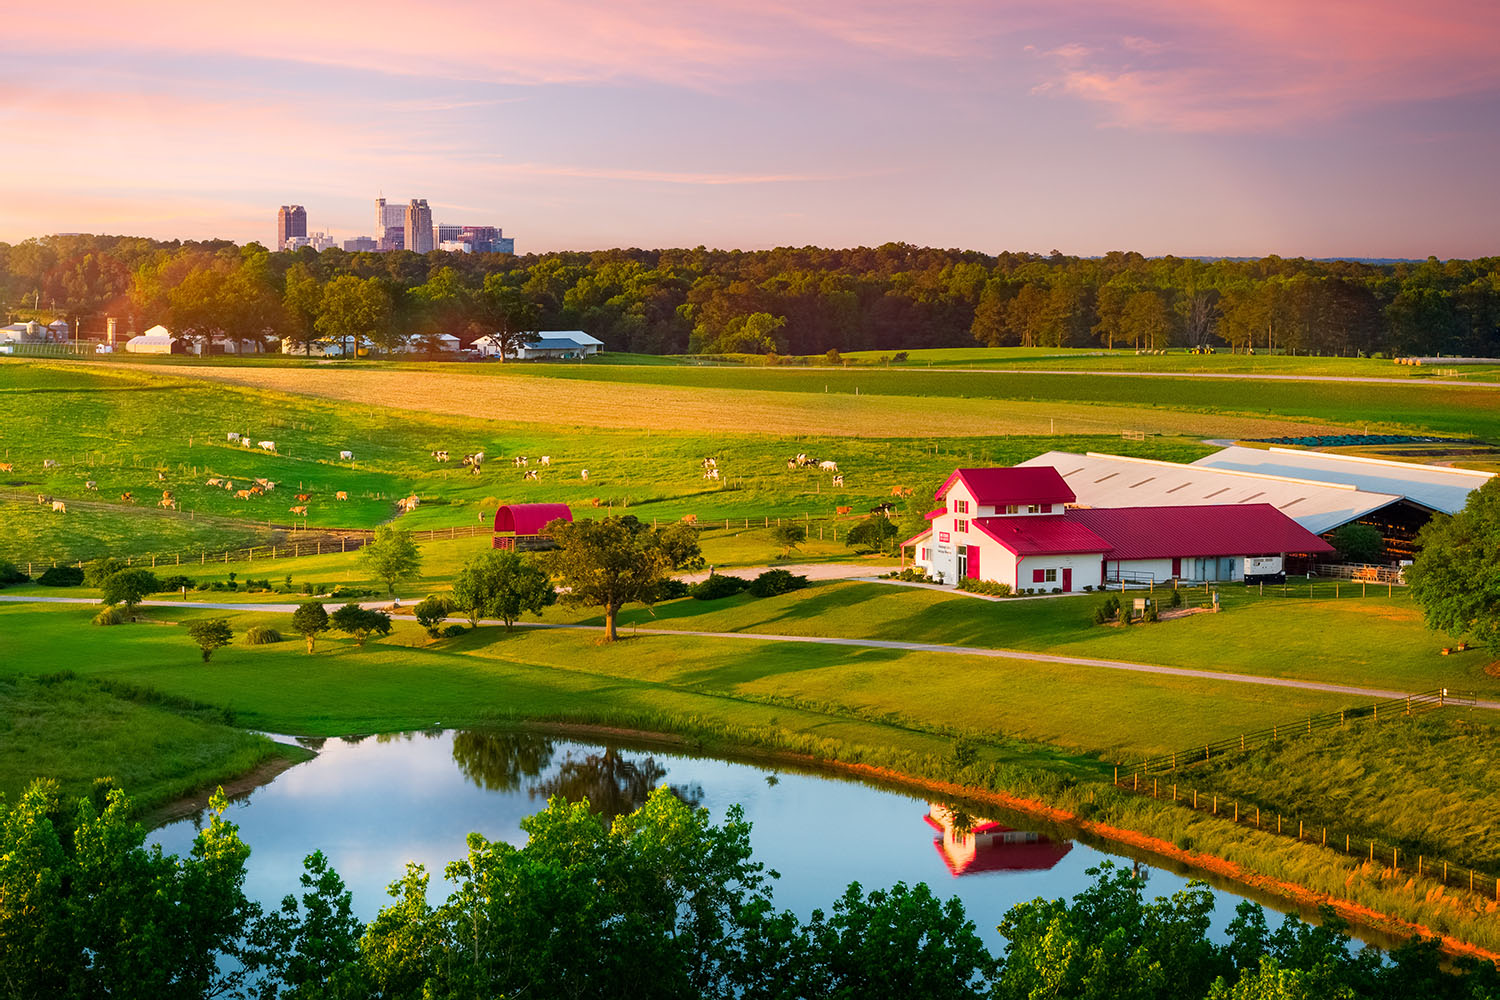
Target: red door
(1067,580)
(973,572)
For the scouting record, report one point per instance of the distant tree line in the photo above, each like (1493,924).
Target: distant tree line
(788,301)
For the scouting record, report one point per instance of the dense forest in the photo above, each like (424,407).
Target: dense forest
(787,301)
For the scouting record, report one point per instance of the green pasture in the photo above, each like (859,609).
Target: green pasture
(72,731)
(144,432)
(1453,410)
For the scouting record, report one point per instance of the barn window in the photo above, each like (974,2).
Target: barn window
(1011,508)
(923,556)
(960,506)
(960,525)
(1035,508)
(1050,577)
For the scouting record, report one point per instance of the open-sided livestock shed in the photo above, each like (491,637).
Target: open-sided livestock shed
(519,525)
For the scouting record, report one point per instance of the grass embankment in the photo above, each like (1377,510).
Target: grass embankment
(74,730)
(1427,785)
(121,428)
(1038,729)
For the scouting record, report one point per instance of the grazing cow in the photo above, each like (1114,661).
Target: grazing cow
(896,491)
(407,504)
(711,474)
(690,519)
(244,442)
(229,485)
(91,485)
(256,491)
(161,477)
(242,494)
(441,456)
(128,497)
(478,457)
(882,508)
(341,495)
(474,469)
(50,463)
(43,499)
(167,503)
(58,507)
(709,463)
(215,481)
(346,456)
(300,510)
(841,511)
(7,467)
(545,460)
(596,501)
(583,474)
(303,497)
(838,480)
(791,463)
(267,445)
(233,436)
(829,466)
(262,481)
(521,461)
(529,474)
(167,495)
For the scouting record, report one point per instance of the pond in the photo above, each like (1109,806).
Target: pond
(373,804)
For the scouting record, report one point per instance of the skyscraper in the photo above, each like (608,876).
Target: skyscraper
(291,222)
(387,216)
(418,226)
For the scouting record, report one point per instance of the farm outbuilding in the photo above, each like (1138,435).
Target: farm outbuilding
(1319,491)
(157,340)
(519,525)
(1022,527)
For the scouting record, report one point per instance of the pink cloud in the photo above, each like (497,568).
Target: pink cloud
(1237,65)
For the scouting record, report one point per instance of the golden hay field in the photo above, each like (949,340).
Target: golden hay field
(604,404)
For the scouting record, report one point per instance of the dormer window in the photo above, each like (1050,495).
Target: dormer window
(1035,508)
(960,526)
(1011,508)
(960,506)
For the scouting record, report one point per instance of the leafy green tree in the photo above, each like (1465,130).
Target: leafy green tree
(352,309)
(392,557)
(613,561)
(1455,577)
(96,572)
(1271,982)
(360,623)
(86,910)
(789,535)
(1360,543)
(503,584)
(431,612)
(505,313)
(1145,321)
(309,620)
(309,947)
(302,302)
(129,587)
(210,634)
(873,533)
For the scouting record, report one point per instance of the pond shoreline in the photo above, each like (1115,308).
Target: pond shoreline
(1134,840)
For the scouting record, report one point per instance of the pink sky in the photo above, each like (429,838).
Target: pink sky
(1355,127)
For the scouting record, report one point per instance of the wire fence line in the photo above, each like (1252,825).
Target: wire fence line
(1162,777)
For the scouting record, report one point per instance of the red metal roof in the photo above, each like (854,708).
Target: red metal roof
(997,487)
(1256,529)
(1042,535)
(530,518)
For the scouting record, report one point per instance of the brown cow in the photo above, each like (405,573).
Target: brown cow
(303,497)
(341,495)
(843,510)
(690,519)
(242,494)
(7,467)
(300,510)
(127,497)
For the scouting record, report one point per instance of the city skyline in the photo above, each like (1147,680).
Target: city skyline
(1234,129)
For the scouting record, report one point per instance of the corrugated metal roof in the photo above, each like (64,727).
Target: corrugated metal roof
(530,518)
(1044,535)
(1117,481)
(1254,529)
(1438,487)
(997,487)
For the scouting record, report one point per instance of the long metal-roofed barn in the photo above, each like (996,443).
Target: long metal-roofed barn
(1321,507)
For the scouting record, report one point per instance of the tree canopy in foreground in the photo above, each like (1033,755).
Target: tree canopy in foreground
(1456,575)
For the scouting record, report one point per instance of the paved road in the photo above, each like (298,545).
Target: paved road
(913,647)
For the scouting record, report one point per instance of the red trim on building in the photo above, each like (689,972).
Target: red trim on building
(1253,529)
(1020,485)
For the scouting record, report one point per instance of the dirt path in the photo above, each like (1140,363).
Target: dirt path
(1381,694)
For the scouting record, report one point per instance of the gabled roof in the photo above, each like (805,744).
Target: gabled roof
(1118,481)
(1043,535)
(530,518)
(1256,529)
(1438,487)
(998,487)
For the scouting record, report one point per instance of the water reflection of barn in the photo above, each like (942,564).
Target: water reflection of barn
(519,525)
(982,845)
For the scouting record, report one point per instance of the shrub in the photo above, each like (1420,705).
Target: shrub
(61,576)
(360,623)
(833,357)
(210,634)
(454,631)
(872,533)
(1057,590)
(962,753)
(1107,611)
(431,612)
(10,574)
(261,635)
(1150,614)
(776,581)
(112,615)
(987,587)
(176,582)
(901,356)
(96,572)
(717,586)
(672,589)
(1176,599)
(307,588)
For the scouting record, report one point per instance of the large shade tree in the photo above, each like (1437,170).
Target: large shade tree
(1455,578)
(613,561)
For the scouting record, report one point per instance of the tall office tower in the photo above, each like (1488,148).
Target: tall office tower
(387,216)
(291,222)
(418,226)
